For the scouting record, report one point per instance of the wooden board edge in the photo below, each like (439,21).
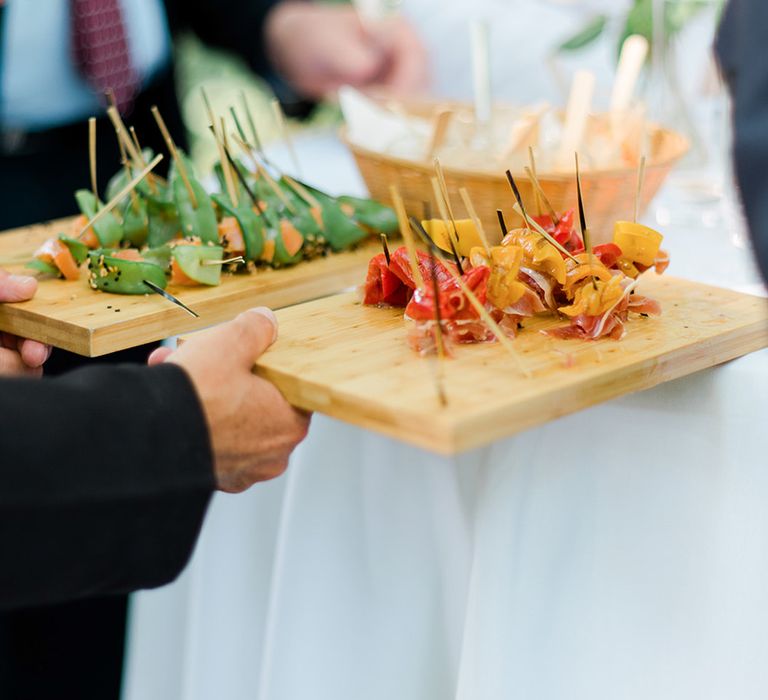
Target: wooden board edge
(98,342)
(63,336)
(444,438)
(339,405)
(639,376)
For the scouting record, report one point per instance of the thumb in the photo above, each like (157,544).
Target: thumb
(242,341)
(16,287)
(251,333)
(159,355)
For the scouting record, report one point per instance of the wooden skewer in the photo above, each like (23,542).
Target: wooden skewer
(167,295)
(519,199)
(238,125)
(502,224)
(440,123)
(251,123)
(229,180)
(453,240)
(536,228)
(504,341)
(135,141)
(122,133)
(475,218)
(236,259)
(481,72)
(175,154)
(302,192)
(480,308)
(92,155)
(209,109)
(579,105)
(541,196)
(444,189)
(262,172)
(638,192)
(405,232)
(217,137)
(582,215)
(583,221)
(385,248)
(127,167)
(439,199)
(121,194)
(151,178)
(276,188)
(531,172)
(438,335)
(444,207)
(246,186)
(633,54)
(523,131)
(131,143)
(530,223)
(280,120)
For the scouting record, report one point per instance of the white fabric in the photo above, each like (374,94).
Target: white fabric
(618,552)
(40,85)
(621,552)
(523,38)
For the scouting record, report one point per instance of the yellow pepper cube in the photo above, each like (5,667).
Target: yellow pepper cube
(638,243)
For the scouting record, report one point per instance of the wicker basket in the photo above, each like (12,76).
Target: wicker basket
(609,195)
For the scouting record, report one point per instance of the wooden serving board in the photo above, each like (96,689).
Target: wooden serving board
(352,362)
(72,316)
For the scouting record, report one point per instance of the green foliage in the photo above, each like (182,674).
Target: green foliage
(587,35)
(639,20)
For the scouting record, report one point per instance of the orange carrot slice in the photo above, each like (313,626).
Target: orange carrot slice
(268,253)
(179,277)
(317,215)
(89,237)
(231,237)
(292,239)
(128,254)
(54,252)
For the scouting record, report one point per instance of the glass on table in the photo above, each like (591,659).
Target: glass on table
(685,93)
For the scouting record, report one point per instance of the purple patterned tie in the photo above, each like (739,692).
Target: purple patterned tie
(101,50)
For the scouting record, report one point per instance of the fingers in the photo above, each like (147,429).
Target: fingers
(16,287)
(159,355)
(242,341)
(34,354)
(11,364)
(408,67)
(255,330)
(357,60)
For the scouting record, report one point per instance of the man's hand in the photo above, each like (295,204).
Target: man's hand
(320,47)
(253,429)
(19,356)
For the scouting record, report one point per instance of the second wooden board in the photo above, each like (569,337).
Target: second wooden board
(352,362)
(71,316)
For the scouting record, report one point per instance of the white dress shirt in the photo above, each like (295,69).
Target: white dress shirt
(40,87)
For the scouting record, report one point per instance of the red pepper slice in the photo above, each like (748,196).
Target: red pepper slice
(607,253)
(382,286)
(454,305)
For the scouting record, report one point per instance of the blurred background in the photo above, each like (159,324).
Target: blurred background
(536,46)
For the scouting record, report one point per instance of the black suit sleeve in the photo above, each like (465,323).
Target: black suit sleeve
(105,476)
(739,45)
(235,25)
(238,26)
